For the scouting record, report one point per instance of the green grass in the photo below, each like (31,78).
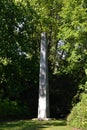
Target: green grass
(35,125)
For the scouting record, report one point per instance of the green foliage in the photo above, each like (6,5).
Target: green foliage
(21,24)
(49,22)
(10,110)
(73,32)
(78,116)
(19,54)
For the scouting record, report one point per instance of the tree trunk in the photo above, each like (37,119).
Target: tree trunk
(43,102)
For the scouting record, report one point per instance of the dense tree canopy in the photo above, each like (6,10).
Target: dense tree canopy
(21,24)
(73,31)
(19,50)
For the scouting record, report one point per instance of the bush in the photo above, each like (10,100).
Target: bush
(78,115)
(10,110)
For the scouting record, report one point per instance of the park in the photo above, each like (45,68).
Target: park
(43,65)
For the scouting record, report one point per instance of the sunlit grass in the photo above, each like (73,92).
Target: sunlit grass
(35,125)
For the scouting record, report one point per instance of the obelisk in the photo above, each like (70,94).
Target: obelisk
(43,101)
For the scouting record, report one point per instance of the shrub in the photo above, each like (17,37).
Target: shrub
(78,115)
(11,110)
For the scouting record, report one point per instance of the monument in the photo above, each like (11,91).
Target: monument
(43,101)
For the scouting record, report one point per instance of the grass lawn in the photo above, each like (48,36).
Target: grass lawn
(35,125)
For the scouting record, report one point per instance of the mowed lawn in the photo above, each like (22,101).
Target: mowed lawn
(35,125)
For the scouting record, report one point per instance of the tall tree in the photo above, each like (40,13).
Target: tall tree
(73,31)
(48,11)
(19,52)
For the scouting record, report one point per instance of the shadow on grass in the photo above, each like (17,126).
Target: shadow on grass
(10,125)
(30,125)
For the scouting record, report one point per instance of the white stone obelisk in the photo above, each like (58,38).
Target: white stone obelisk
(43,101)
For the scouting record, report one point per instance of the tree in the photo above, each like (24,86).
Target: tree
(48,11)
(19,54)
(73,33)
(21,24)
